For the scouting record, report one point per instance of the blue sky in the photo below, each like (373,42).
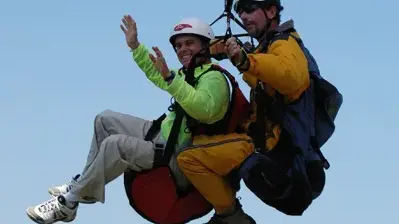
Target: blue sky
(62,62)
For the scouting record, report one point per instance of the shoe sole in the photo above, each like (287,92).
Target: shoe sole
(40,220)
(33,218)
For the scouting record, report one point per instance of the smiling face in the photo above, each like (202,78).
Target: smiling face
(254,22)
(255,18)
(186,46)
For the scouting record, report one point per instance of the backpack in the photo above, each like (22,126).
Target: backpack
(238,110)
(327,102)
(290,187)
(153,194)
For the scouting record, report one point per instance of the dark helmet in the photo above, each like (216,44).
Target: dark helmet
(250,5)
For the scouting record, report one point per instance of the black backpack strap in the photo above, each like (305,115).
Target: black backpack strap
(155,127)
(162,159)
(191,122)
(258,135)
(264,100)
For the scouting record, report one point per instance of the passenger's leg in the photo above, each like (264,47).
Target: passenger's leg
(206,165)
(110,155)
(117,153)
(110,123)
(106,123)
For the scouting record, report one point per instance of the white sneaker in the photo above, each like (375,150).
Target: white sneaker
(65,188)
(52,211)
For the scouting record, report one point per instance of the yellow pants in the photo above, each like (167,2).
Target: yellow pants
(210,160)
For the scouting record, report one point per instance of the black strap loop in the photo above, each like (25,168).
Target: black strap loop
(228,6)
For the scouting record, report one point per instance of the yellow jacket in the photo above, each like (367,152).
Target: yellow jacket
(284,68)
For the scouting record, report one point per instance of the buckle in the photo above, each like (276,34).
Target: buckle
(159,146)
(159,150)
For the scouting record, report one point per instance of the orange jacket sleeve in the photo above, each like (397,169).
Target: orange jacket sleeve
(284,67)
(250,80)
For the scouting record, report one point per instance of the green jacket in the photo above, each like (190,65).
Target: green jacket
(207,102)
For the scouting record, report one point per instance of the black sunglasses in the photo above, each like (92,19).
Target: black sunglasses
(247,8)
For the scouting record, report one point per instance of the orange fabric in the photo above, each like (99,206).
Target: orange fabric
(210,160)
(284,68)
(217,48)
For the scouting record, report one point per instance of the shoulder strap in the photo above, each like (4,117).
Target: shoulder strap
(191,121)
(226,73)
(238,108)
(155,127)
(175,130)
(173,136)
(260,129)
(180,113)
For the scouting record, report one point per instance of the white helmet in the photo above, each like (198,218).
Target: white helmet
(192,26)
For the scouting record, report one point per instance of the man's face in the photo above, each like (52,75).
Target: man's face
(186,46)
(254,18)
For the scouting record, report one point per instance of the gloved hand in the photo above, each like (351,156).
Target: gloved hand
(249,48)
(237,54)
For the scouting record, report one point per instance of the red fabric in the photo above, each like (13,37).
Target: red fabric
(186,208)
(154,195)
(239,106)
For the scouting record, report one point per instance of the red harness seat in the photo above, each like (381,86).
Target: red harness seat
(153,194)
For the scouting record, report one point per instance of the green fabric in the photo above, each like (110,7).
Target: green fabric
(207,102)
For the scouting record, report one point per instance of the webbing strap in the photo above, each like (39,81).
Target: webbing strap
(155,127)
(173,136)
(260,123)
(163,160)
(228,6)
(259,134)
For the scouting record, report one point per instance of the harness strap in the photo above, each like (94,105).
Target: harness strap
(172,139)
(162,159)
(228,6)
(263,107)
(155,127)
(260,129)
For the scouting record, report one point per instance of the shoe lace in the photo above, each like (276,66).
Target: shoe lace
(49,206)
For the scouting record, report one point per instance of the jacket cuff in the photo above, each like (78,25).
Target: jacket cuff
(174,87)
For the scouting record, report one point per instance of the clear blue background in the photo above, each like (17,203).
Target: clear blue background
(62,62)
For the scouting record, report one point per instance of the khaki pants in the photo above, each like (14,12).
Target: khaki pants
(118,145)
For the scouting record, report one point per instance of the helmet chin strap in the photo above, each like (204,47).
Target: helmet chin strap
(266,34)
(203,54)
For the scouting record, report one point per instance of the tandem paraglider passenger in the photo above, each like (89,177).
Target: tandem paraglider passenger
(122,142)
